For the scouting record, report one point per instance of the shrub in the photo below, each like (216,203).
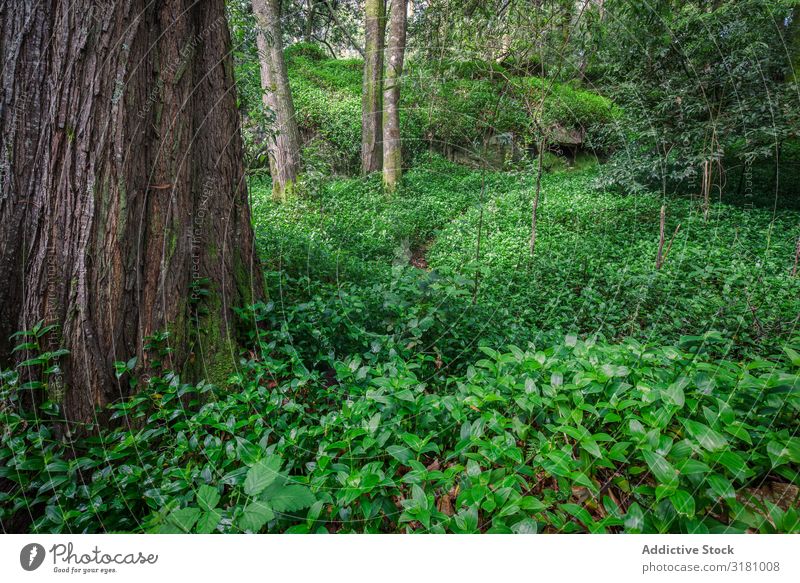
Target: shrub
(311,51)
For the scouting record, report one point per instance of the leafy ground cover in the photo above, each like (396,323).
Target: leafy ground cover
(414,369)
(578,391)
(579,436)
(593,271)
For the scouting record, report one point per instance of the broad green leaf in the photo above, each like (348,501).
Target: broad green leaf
(662,470)
(634,519)
(467,520)
(404,395)
(261,475)
(577,433)
(255,516)
(683,503)
(374,422)
(525,526)
(208,522)
(580,513)
(590,445)
(690,466)
(739,432)
(53,482)
(793,447)
(673,395)
(778,453)
(793,356)
(705,436)
(207,497)
(400,453)
(721,486)
(248,452)
(734,463)
(291,498)
(184,518)
(531,504)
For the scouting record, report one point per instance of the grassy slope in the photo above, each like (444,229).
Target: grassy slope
(451,108)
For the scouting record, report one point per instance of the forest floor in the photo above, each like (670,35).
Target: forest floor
(593,272)
(578,390)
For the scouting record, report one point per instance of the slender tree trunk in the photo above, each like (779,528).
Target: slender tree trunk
(706,187)
(372,106)
(537,193)
(308,32)
(662,218)
(121,187)
(284,146)
(396,47)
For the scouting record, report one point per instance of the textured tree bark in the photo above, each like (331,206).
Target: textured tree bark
(396,47)
(122,187)
(284,147)
(371,106)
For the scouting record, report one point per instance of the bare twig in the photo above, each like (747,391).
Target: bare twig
(536,194)
(661,224)
(476,289)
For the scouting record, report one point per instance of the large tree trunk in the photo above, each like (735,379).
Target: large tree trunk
(396,47)
(284,146)
(122,191)
(371,106)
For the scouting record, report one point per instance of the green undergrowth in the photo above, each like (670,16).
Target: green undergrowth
(593,271)
(445,109)
(380,390)
(574,436)
(594,264)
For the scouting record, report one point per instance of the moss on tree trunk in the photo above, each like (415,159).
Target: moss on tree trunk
(122,183)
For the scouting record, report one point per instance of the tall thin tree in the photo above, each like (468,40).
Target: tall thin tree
(396,47)
(284,144)
(372,90)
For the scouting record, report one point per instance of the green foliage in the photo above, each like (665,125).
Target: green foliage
(39,369)
(454,108)
(594,270)
(413,368)
(567,106)
(378,397)
(327,100)
(474,69)
(460,107)
(577,436)
(698,83)
(352,217)
(310,51)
